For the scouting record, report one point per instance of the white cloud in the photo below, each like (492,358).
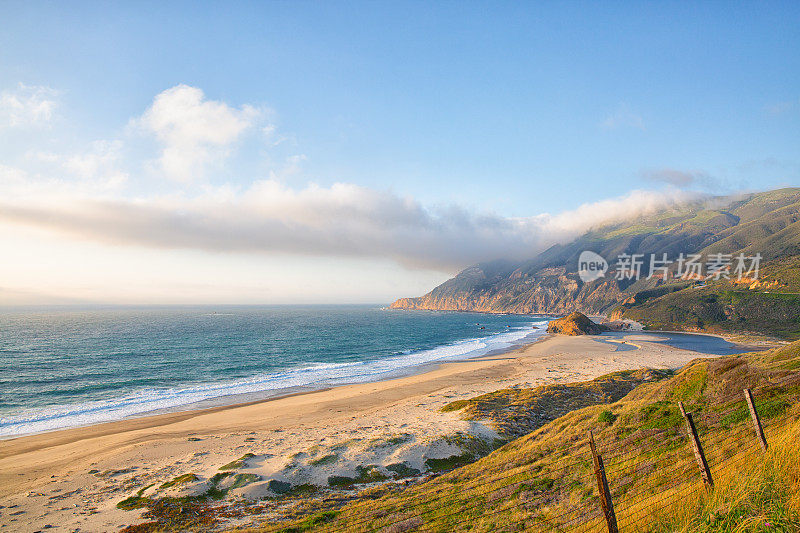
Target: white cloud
(11,176)
(343,220)
(292,166)
(623,117)
(635,204)
(26,106)
(194,132)
(101,161)
(81,195)
(99,168)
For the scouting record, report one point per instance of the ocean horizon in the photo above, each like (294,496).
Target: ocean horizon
(71,366)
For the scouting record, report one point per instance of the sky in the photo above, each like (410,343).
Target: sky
(318,152)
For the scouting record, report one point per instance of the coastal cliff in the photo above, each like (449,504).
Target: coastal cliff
(762,223)
(550,291)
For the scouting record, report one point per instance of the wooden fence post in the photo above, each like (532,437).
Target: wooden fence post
(697,447)
(606,503)
(748,395)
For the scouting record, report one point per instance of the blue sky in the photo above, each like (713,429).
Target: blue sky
(506,110)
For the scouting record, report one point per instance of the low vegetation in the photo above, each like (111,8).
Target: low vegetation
(324,460)
(238,463)
(195,512)
(517,412)
(180,480)
(364,474)
(721,308)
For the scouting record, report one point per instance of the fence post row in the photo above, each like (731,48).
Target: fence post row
(751,404)
(705,472)
(606,503)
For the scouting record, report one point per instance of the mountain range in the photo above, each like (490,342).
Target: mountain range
(766,224)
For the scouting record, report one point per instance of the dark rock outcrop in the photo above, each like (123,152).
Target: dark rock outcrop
(575,324)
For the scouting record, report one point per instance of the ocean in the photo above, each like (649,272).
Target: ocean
(62,368)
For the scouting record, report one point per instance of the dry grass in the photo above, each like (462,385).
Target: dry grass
(753,492)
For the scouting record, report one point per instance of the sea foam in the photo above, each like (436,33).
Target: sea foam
(311,376)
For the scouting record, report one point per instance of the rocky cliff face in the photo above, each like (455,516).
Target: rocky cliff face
(551,291)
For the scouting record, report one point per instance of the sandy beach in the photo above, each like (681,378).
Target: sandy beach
(72,480)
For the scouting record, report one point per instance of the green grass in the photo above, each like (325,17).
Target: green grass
(783,272)
(364,474)
(341,481)
(659,415)
(180,480)
(449,463)
(455,406)
(324,460)
(757,493)
(279,487)
(217,478)
(369,474)
(242,480)
(606,417)
(402,470)
(310,522)
(768,408)
(394,440)
(238,463)
(303,489)
(215,492)
(141,491)
(718,309)
(134,502)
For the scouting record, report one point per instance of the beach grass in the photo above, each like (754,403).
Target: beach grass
(238,463)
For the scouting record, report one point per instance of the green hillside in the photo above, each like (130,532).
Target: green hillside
(769,307)
(722,310)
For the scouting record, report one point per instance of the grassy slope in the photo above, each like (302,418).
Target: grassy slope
(544,480)
(784,272)
(723,310)
(517,412)
(755,493)
(771,308)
